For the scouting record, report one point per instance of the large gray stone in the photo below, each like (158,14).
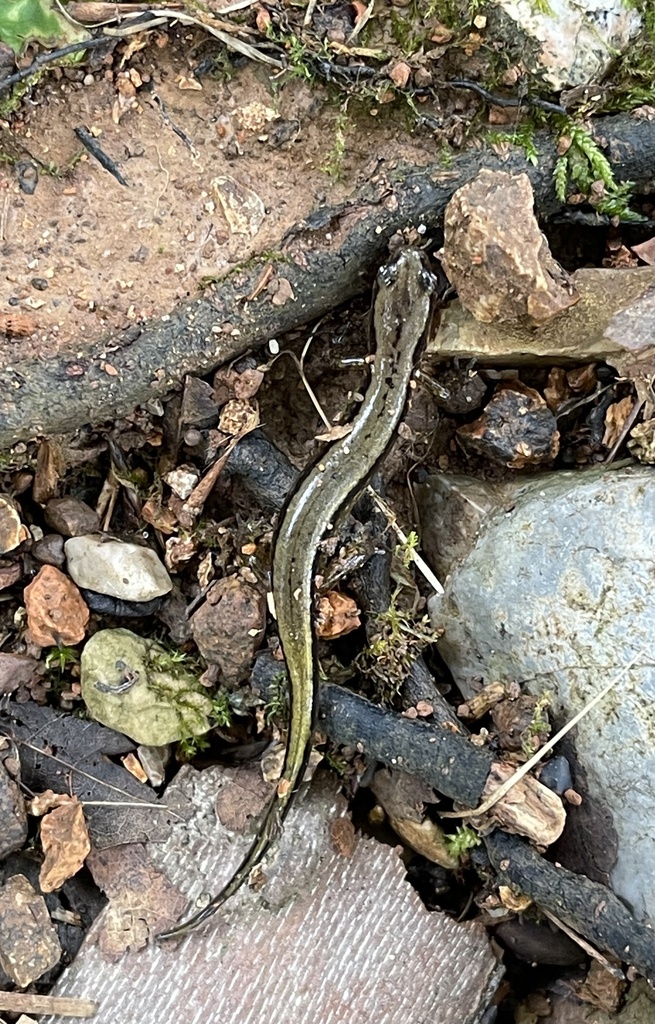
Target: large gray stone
(559,593)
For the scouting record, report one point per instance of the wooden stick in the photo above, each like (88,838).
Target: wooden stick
(63,1006)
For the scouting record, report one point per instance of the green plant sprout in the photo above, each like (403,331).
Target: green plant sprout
(461,841)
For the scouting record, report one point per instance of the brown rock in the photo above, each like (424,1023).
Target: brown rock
(12,531)
(229,627)
(495,254)
(71,517)
(50,550)
(10,574)
(29,945)
(56,612)
(18,670)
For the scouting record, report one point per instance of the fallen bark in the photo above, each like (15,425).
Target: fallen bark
(327,261)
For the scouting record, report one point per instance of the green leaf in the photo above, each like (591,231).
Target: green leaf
(26,21)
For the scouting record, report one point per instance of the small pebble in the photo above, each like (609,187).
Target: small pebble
(556,775)
(89,80)
(39,283)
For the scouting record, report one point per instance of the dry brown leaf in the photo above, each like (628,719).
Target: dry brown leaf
(248,384)
(46,801)
(615,419)
(143,901)
(583,379)
(65,842)
(440,34)
(646,251)
(243,797)
(337,615)
(238,417)
(49,469)
(161,518)
(342,834)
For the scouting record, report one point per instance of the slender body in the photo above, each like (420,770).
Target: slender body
(402,310)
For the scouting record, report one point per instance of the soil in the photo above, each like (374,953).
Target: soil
(114,256)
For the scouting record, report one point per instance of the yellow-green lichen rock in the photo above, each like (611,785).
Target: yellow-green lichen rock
(131,684)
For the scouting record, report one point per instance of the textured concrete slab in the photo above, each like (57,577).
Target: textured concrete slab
(332,936)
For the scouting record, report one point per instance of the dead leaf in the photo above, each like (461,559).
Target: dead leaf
(30,944)
(440,34)
(46,801)
(189,83)
(583,379)
(49,468)
(238,417)
(342,834)
(243,797)
(158,516)
(248,384)
(615,419)
(242,208)
(646,251)
(142,900)
(337,615)
(56,612)
(17,670)
(642,442)
(65,842)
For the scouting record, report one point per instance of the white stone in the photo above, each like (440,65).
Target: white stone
(117,568)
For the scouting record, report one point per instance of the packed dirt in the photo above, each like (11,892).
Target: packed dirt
(85,257)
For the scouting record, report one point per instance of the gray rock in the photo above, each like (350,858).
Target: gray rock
(568,44)
(558,594)
(71,517)
(132,685)
(13,816)
(50,550)
(118,568)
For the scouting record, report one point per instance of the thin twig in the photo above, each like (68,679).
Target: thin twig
(503,790)
(419,562)
(309,13)
(590,950)
(80,771)
(502,101)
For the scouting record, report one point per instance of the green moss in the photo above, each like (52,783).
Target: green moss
(585,167)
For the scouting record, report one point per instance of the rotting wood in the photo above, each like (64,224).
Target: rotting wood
(62,1006)
(329,260)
